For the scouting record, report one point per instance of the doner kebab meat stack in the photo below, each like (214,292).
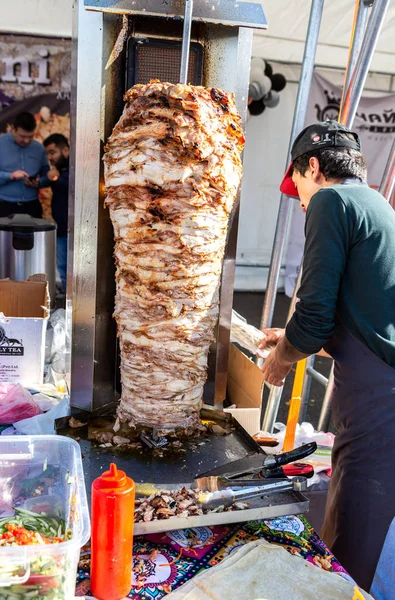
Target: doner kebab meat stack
(172,171)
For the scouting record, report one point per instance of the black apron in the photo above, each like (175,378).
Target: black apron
(361,497)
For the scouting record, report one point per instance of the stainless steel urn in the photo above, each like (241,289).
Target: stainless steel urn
(28,247)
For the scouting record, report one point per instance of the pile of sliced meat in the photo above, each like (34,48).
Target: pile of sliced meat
(172,171)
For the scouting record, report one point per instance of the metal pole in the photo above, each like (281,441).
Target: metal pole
(294,298)
(291,310)
(285,212)
(306,388)
(358,77)
(326,410)
(358,30)
(388,181)
(186,41)
(271,411)
(273,401)
(319,377)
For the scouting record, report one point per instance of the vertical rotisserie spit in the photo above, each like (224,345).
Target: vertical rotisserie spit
(172,171)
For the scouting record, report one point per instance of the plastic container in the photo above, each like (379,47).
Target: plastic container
(112,535)
(37,471)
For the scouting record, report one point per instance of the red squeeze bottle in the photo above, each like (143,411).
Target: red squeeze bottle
(112,535)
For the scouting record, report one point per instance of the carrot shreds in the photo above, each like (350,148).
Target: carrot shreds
(172,562)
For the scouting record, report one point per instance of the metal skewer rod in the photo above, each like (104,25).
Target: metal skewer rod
(186,41)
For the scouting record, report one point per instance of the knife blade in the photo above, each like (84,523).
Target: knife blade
(253,464)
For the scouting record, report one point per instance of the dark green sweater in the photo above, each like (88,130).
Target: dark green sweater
(348,269)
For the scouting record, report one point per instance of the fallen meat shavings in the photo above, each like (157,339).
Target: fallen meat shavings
(75,423)
(105,437)
(163,505)
(240,505)
(179,503)
(118,440)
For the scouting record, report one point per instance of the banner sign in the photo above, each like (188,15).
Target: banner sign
(375,125)
(374,122)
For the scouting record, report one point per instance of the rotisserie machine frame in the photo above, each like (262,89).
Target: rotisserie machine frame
(101,29)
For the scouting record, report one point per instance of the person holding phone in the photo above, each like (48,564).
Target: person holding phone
(57,149)
(22,161)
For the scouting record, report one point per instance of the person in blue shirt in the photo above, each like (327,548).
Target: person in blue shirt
(57,149)
(22,159)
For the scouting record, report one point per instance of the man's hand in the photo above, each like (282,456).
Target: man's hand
(273,336)
(16,175)
(275,369)
(53,174)
(280,360)
(32,183)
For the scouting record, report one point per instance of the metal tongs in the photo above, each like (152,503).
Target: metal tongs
(214,492)
(211,500)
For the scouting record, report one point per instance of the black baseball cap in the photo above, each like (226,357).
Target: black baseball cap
(314,137)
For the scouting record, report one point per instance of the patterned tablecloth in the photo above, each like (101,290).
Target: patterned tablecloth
(163,562)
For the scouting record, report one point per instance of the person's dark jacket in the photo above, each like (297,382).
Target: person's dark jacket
(60,197)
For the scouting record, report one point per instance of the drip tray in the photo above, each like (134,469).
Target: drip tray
(180,461)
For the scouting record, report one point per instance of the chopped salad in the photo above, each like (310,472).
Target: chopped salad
(47,579)
(26,528)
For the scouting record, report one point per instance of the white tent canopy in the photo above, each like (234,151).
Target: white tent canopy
(285,38)
(37,17)
(283,41)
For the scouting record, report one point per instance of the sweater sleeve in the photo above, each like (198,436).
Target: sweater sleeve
(325,255)
(5,177)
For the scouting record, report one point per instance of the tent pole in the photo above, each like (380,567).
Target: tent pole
(360,72)
(274,399)
(358,30)
(348,110)
(285,209)
(388,182)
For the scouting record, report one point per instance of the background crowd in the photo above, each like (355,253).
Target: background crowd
(26,166)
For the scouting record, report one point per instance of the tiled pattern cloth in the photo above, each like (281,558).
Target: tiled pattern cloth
(184,553)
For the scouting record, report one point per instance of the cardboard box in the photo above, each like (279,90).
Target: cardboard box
(245,386)
(24,311)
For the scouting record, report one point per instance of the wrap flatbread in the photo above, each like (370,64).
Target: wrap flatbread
(263,571)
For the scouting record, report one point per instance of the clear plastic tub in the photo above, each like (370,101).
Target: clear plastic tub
(36,472)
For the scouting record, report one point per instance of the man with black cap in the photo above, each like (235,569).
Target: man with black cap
(346,306)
